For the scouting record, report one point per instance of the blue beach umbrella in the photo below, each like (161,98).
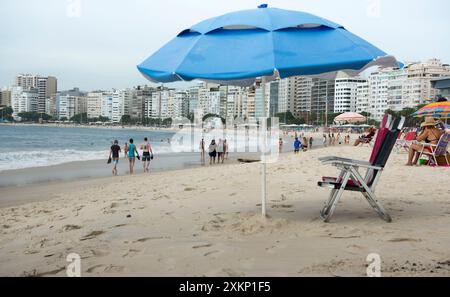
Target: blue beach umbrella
(238,47)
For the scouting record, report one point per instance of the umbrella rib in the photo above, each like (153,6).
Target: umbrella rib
(182,60)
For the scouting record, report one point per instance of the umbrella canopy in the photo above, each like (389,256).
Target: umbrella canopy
(435,110)
(237,47)
(350,117)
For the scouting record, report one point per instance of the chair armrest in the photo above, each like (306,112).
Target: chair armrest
(331,159)
(338,163)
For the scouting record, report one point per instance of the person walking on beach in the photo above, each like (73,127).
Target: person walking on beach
(324,140)
(147,155)
(225,149)
(132,154)
(114,156)
(220,152)
(202,150)
(212,152)
(297,146)
(280,145)
(311,140)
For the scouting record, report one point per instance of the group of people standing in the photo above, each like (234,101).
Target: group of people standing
(216,150)
(131,153)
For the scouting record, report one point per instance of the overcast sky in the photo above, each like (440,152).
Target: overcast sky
(99,45)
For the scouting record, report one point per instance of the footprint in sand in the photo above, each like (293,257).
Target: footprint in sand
(395,240)
(131,253)
(67,228)
(202,246)
(282,206)
(92,235)
(150,238)
(103,268)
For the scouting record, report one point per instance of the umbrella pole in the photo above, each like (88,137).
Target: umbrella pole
(263,154)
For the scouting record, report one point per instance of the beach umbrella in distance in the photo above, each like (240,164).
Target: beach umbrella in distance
(435,110)
(268,43)
(350,117)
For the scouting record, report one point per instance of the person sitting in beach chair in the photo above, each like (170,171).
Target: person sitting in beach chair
(350,178)
(436,151)
(367,138)
(430,135)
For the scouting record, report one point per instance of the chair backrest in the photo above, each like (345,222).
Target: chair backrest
(386,147)
(389,142)
(410,136)
(441,149)
(380,137)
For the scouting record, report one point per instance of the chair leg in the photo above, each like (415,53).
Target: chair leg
(335,196)
(382,213)
(372,199)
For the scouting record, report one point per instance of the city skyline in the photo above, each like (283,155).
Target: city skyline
(65,40)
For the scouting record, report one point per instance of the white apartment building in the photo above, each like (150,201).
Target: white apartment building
(162,104)
(66,106)
(362,95)
(236,98)
(121,104)
(346,93)
(69,106)
(180,106)
(378,94)
(250,109)
(107,105)
(46,86)
(94,104)
(24,100)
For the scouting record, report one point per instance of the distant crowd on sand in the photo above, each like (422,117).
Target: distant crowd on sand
(131,153)
(217,151)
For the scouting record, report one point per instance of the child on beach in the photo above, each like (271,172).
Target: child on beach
(114,156)
(297,146)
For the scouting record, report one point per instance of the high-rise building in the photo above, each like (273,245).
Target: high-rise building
(273,93)
(121,104)
(94,104)
(362,97)
(24,100)
(107,105)
(69,105)
(5,97)
(193,93)
(346,93)
(46,86)
(322,97)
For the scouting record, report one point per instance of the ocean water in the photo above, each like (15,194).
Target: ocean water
(35,146)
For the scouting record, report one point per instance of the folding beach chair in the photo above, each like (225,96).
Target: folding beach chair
(404,144)
(438,150)
(350,179)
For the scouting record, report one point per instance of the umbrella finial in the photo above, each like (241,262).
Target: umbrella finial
(262,6)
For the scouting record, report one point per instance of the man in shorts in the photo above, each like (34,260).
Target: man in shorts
(114,156)
(147,155)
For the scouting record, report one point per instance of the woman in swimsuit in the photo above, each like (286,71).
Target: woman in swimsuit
(132,153)
(430,134)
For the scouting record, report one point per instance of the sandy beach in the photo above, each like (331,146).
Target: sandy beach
(207,222)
